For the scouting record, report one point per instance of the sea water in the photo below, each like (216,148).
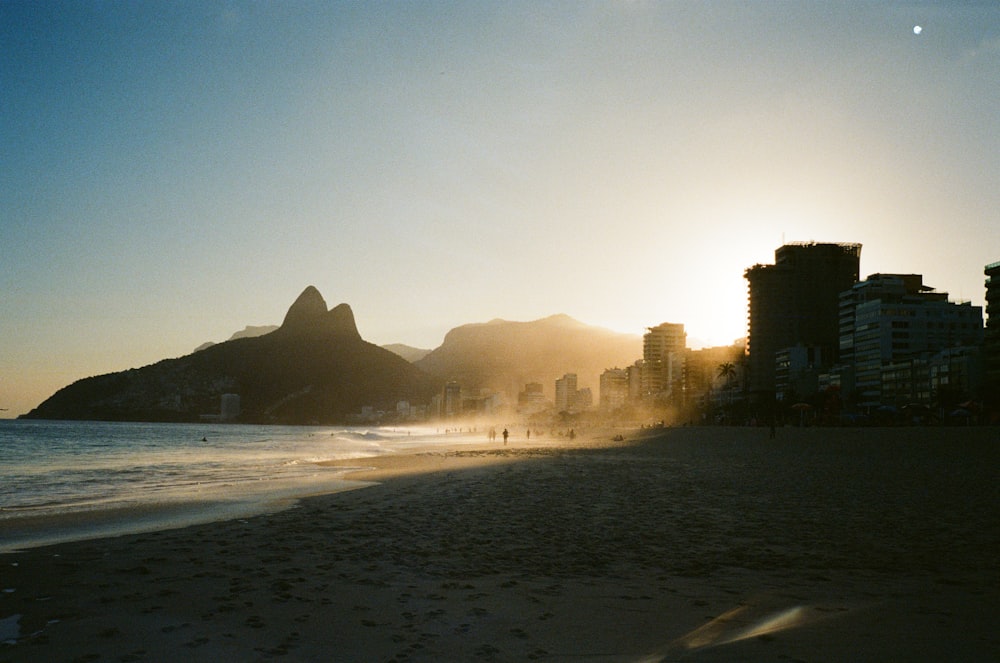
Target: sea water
(66,480)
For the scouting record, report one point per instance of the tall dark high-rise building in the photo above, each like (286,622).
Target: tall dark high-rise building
(795,301)
(991,340)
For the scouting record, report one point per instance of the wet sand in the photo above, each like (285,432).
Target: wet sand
(701,544)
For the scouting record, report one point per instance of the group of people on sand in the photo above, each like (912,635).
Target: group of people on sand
(506,434)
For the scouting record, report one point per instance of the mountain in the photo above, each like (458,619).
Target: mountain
(407,352)
(250,331)
(503,356)
(314,368)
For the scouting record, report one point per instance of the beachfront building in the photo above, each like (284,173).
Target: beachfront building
(532,399)
(944,380)
(451,400)
(991,341)
(795,301)
(796,372)
(566,392)
(406,411)
(613,389)
(894,329)
(663,350)
(635,381)
(489,403)
(706,384)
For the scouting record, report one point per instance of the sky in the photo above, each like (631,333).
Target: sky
(171,172)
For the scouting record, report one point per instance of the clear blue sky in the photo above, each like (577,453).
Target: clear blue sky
(174,171)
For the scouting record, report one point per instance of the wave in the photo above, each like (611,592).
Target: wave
(344,455)
(367,435)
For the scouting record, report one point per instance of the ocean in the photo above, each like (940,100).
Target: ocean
(68,480)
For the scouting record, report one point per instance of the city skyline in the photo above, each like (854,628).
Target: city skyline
(177,172)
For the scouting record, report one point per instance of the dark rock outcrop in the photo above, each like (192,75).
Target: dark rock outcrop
(315,368)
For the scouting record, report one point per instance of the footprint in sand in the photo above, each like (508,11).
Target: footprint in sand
(486,651)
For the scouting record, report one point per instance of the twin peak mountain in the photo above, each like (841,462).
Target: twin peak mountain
(316,368)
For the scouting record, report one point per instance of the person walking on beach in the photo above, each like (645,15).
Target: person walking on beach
(505,434)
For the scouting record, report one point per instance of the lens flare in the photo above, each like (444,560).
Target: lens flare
(751,620)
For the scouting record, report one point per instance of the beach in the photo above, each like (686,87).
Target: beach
(701,544)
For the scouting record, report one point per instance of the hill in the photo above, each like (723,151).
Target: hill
(503,356)
(314,368)
(250,331)
(407,352)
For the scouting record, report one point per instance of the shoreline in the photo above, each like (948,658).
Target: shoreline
(694,543)
(23,532)
(25,529)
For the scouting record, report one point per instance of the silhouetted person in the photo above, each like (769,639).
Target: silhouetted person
(529,433)
(505,434)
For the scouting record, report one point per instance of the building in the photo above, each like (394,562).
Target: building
(635,381)
(704,381)
(613,389)
(566,392)
(663,351)
(797,370)
(955,374)
(532,399)
(487,404)
(991,341)
(793,302)
(891,328)
(451,400)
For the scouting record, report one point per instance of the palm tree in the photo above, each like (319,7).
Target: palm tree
(727,370)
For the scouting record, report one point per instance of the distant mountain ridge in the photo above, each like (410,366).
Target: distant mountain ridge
(314,368)
(503,356)
(250,331)
(407,352)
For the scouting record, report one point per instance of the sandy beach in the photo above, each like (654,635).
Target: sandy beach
(701,544)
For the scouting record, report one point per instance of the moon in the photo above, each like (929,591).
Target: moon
(917,29)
